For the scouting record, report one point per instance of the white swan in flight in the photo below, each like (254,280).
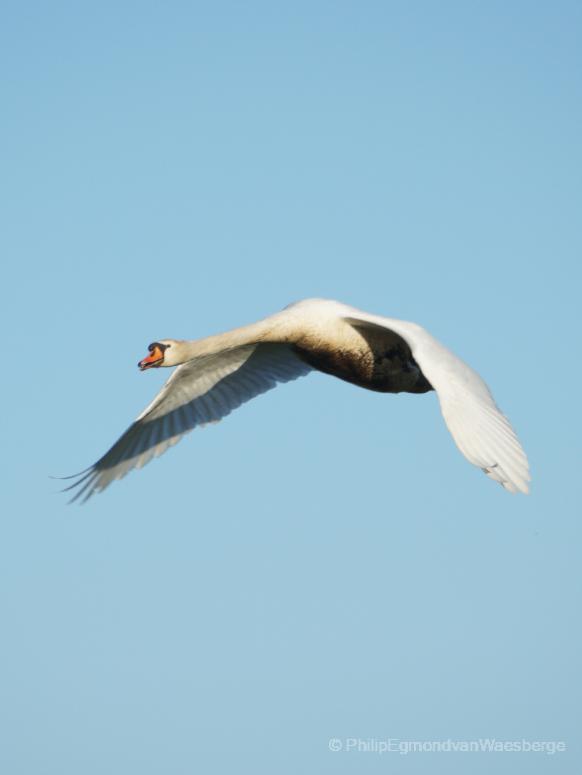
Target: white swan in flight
(219,373)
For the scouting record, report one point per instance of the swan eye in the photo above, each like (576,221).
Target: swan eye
(157,345)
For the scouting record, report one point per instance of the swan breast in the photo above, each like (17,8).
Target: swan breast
(372,359)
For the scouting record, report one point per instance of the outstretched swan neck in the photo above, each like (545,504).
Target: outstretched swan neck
(275,328)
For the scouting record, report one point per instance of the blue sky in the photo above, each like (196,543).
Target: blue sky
(322,564)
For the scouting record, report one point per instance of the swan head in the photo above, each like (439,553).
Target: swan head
(162,353)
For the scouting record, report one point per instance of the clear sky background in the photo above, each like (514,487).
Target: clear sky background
(323,563)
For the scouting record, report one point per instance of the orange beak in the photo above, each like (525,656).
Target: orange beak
(155,358)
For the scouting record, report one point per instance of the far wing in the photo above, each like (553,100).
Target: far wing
(480,430)
(201,391)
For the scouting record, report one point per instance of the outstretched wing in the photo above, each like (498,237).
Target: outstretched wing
(198,392)
(480,430)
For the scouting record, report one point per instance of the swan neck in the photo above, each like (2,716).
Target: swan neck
(268,330)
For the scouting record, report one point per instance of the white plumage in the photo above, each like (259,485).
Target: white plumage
(217,374)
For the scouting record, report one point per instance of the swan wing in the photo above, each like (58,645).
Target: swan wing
(201,391)
(479,428)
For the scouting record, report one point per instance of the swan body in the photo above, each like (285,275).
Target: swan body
(219,373)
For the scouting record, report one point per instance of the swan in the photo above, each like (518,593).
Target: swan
(219,373)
